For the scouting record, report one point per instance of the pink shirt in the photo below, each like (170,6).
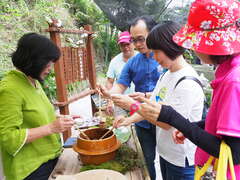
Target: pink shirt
(223,117)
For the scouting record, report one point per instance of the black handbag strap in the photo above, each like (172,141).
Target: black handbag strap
(190,78)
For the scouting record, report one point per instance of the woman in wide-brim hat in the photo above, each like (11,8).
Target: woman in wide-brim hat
(213,33)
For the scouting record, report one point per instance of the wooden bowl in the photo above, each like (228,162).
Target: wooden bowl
(95,151)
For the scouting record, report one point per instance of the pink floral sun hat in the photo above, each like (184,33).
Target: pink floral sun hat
(213,28)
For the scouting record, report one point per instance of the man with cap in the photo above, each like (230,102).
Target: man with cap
(117,63)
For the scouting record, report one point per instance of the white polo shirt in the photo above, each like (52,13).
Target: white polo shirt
(187,99)
(115,68)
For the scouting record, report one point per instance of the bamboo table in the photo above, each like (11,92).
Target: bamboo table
(69,164)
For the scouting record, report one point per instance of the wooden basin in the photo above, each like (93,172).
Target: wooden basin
(95,151)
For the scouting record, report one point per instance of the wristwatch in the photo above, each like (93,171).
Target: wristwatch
(134,107)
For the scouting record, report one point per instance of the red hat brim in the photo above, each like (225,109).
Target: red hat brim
(213,42)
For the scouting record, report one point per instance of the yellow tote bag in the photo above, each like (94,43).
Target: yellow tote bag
(221,164)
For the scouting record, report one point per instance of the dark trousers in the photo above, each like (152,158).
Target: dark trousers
(147,139)
(44,171)
(172,172)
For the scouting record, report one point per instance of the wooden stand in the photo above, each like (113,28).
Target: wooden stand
(74,65)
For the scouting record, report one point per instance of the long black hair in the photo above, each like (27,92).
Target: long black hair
(33,53)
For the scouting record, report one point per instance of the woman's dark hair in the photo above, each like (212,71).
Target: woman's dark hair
(160,38)
(33,53)
(150,22)
(219,59)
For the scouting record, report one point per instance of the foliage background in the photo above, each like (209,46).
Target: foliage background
(22,16)
(18,17)
(107,18)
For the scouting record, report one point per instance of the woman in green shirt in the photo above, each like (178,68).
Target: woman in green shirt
(29,130)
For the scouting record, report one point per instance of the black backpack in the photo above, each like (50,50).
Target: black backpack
(205,105)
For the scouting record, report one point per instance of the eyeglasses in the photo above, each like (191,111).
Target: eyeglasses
(139,39)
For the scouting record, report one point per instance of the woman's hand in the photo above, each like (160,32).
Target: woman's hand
(121,121)
(150,110)
(110,108)
(123,101)
(62,123)
(136,95)
(178,137)
(102,91)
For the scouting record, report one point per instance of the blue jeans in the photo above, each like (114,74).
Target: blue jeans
(172,172)
(147,139)
(44,171)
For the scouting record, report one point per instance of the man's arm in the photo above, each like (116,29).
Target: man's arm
(126,121)
(109,83)
(118,89)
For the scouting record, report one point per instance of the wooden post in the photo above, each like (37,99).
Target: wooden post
(60,81)
(91,64)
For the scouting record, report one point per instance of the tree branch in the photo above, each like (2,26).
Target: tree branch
(162,11)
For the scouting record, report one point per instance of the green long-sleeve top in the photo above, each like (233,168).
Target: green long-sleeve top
(23,107)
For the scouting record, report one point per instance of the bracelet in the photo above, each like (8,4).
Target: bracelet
(134,107)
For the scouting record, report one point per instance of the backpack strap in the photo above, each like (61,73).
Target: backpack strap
(162,76)
(190,78)
(205,104)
